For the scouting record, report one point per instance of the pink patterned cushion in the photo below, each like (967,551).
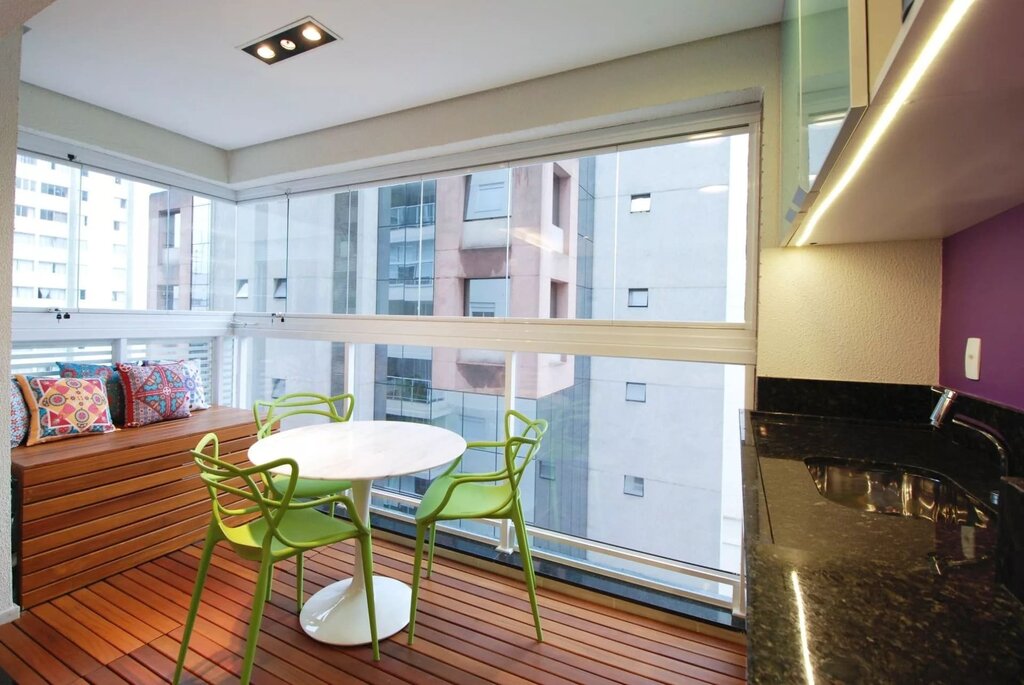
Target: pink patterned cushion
(154,393)
(19,415)
(65,407)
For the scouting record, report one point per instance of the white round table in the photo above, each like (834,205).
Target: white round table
(359,451)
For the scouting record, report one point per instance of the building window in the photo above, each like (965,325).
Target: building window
(117,296)
(638,297)
(24,265)
(166,296)
(546,470)
(242,288)
(559,195)
(118,250)
(639,203)
(85,196)
(485,297)
(487,195)
(117,180)
(85,220)
(55,190)
(26,160)
(280,288)
(633,485)
(636,392)
(24,293)
(123,202)
(53,267)
(24,239)
(51,215)
(54,242)
(277,388)
(85,172)
(23,211)
(171,228)
(51,293)
(81,294)
(24,183)
(118,225)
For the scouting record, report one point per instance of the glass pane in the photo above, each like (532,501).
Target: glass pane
(687,247)
(279,366)
(611,463)
(46,204)
(261,256)
(322,249)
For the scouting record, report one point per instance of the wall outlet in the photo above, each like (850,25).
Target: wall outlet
(972,359)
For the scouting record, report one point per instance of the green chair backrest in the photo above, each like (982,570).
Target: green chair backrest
(269,414)
(522,447)
(224,479)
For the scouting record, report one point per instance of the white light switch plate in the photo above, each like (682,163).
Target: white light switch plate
(972,359)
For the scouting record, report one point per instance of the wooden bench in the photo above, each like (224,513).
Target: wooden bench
(94,506)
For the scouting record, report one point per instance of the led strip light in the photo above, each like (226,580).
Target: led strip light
(950,20)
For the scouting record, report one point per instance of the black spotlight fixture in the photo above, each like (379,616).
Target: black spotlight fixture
(294,39)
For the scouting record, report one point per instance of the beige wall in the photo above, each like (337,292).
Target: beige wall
(10,69)
(860,312)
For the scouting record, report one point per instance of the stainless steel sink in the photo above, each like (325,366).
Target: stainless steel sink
(898,490)
(964,527)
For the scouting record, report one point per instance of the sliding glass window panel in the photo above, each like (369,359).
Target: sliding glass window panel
(659,477)
(124,258)
(261,256)
(458,389)
(274,367)
(405,246)
(46,198)
(323,249)
(688,250)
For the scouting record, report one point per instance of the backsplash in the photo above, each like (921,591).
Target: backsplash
(848,399)
(982,295)
(894,403)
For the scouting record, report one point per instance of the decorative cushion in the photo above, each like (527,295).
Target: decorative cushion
(19,414)
(193,378)
(154,393)
(61,408)
(115,390)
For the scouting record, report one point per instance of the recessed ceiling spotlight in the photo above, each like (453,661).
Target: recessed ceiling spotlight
(296,38)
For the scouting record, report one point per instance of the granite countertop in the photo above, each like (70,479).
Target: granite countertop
(837,594)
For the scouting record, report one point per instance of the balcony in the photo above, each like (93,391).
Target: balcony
(473,626)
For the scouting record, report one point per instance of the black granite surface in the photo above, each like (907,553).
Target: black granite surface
(891,402)
(837,594)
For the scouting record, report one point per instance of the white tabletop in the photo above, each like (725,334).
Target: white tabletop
(361,450)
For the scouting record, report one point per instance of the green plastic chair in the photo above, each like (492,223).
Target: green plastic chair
(482,495)
(284,529)
(268,415)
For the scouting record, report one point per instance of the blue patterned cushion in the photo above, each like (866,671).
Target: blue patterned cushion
(193,378)
(154,393)
(19,415)
(115,390)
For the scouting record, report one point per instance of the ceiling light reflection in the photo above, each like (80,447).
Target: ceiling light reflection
(802,619)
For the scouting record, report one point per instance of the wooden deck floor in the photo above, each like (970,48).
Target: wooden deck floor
(473,627)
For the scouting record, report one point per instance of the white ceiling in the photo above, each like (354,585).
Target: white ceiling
(176,64)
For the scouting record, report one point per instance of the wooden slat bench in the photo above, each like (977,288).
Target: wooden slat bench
(94,506)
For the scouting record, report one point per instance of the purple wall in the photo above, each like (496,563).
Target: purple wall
(983,297)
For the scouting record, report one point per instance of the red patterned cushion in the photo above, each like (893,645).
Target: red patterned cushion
(154,393)
(65,407)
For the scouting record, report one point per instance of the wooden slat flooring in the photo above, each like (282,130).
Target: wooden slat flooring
(473,627)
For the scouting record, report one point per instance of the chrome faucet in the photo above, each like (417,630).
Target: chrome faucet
(943,407)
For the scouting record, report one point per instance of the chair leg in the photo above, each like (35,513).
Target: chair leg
(299,596)
(367,548)
(193,609)
(430,557)
(531,579)
(421,530)
(258,602)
